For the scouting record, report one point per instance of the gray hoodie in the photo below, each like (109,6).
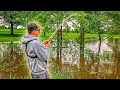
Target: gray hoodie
(36,53)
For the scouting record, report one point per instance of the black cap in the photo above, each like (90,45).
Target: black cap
(32,26)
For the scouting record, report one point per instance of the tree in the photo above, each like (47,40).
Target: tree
(13,18)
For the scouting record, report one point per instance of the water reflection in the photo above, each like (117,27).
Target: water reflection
(12,61)
(89,65)
(66,60)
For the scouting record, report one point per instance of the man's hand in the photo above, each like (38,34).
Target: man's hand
(46,43)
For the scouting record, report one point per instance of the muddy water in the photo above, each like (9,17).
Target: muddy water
(93,64)
(66,62)
(13,63)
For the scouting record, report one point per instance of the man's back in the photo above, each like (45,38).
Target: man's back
(37,54)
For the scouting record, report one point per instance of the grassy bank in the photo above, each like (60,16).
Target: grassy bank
(6,37)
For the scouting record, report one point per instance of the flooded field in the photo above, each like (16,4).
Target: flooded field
(13,63)
(98,61)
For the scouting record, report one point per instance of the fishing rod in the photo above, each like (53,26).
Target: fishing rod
(51,37)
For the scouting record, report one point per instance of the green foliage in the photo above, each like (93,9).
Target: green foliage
(91,21)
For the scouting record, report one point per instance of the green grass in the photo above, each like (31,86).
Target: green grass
(6,37)
(117,36)
(88,36)
(70,35)
(57,76)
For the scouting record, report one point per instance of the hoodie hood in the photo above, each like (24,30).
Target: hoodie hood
(26,38)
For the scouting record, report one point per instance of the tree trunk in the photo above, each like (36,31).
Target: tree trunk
(116,59)
(44,29)
(60,45)
(11,28)
(44,32)
(99,47)
(11,22)
(82,62)
(99,35)
(58,41)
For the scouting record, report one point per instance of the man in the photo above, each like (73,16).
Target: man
(36,51)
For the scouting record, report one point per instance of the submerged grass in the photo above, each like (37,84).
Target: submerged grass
(57,76)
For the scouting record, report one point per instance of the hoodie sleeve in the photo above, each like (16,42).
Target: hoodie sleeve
(41,51)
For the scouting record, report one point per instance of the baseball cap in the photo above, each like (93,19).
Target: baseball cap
(33,26)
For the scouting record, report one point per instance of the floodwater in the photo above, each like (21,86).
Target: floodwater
(99,60)
(13,63)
